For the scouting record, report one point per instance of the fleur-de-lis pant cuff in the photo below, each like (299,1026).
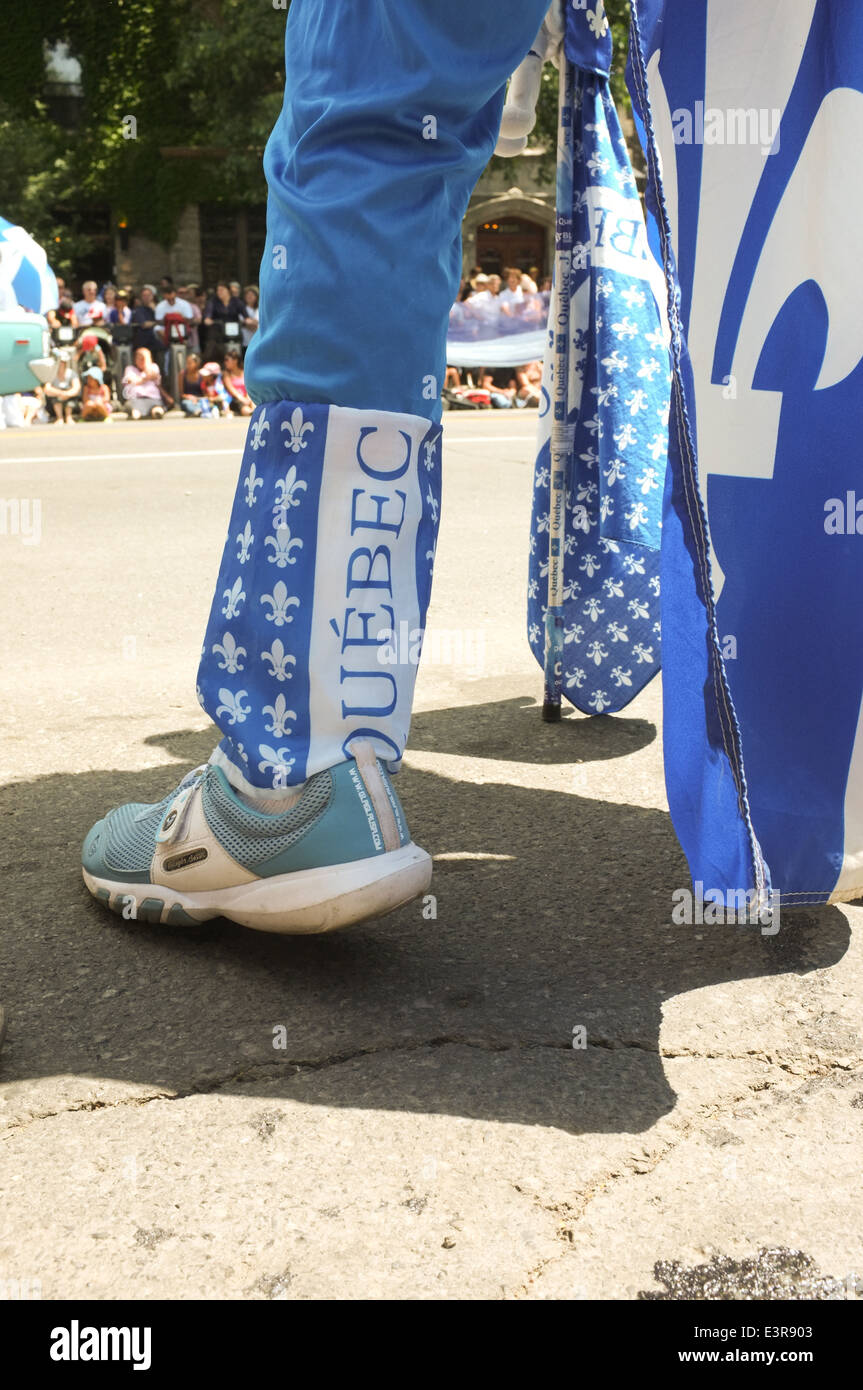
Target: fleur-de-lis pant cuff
(390,117)
(323,591)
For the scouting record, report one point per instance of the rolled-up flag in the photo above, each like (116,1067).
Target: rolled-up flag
(603,629)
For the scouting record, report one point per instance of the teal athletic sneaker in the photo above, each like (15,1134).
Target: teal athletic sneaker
(339,854)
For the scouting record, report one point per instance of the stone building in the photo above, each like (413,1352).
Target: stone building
(510,218)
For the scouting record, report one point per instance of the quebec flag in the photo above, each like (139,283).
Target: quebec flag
(753,121)
(617,403)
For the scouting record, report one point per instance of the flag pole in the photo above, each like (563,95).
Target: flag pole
(561,431)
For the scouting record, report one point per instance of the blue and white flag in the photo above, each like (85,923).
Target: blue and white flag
(24,266)
(618,400)
(753,117)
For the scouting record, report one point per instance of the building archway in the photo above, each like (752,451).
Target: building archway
(509,229)
(512,241)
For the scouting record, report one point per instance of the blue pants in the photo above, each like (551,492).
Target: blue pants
(391,113)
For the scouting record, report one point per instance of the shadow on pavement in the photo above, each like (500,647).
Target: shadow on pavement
(512,731)
(566,922)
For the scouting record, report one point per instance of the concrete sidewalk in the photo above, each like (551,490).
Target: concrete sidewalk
(427,1129)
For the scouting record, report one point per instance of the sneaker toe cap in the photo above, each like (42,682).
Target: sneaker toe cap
(93,851)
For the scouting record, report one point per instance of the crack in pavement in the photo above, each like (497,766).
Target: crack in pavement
(685,1130)
(261,1070)
(575,1213)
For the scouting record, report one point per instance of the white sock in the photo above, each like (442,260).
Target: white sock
(271,805)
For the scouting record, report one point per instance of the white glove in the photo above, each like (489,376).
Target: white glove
(519,109)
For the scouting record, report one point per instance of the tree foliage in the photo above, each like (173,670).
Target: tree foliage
(203,75)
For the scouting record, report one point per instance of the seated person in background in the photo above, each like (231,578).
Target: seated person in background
(95,396)
(528,382)
(501,393)
(193,399)
(142,387)
(214,388)
(235,383)
(90,354)
(11,412)
(30,403)
(62,391)
(452,378)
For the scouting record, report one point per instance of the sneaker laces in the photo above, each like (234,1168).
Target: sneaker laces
(180,798)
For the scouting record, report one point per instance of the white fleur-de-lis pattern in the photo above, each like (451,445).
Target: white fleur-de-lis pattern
(231,654)
(619,387)
(296,429)
(278,716)
(259,604)
(254,679)
(283,544)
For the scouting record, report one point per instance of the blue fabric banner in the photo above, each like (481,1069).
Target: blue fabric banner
(753,116)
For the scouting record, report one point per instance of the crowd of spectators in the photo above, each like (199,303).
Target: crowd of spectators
(494,306)
(94,379)
(215,326)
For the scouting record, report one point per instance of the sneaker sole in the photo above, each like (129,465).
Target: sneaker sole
(302,903)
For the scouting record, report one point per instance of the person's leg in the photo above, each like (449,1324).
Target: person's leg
(391,115)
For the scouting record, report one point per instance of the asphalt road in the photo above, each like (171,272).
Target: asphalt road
(429,1129)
